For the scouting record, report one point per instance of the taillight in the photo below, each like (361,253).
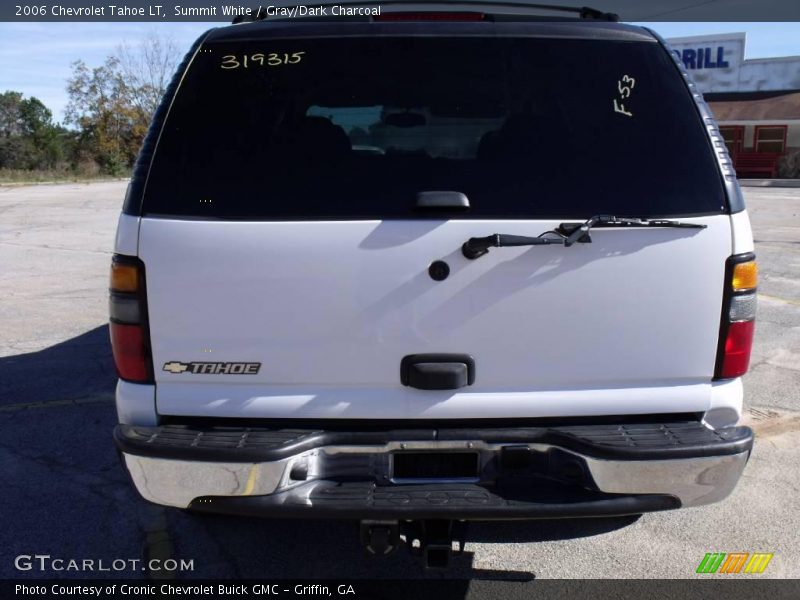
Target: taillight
(738,316)
(130,341)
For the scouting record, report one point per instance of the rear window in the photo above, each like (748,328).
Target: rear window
(354,128)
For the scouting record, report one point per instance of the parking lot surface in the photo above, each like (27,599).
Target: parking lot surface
(66,495)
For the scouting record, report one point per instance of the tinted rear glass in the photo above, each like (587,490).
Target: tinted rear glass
(354,128)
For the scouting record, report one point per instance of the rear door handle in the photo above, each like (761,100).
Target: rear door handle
(437,371)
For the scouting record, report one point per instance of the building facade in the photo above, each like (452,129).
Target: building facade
(755,101)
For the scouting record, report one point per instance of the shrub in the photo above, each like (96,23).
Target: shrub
(789,165)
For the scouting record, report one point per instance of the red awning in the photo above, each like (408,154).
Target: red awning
(777,108)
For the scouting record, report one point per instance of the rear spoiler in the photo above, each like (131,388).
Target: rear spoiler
(454,7)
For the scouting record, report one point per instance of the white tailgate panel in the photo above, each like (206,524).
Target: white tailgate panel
(626,324)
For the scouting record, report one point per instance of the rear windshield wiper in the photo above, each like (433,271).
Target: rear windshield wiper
(566,234)
(478,246)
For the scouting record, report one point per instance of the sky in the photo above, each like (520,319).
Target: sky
(35,58)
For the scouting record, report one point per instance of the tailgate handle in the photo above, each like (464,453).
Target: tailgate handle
(437,371)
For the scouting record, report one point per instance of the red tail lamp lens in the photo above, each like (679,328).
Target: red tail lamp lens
(738,344)
(127,343)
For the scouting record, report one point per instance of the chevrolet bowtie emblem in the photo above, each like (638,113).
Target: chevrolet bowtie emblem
(212,368)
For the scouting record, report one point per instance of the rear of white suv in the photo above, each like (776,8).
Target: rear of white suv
(450,267)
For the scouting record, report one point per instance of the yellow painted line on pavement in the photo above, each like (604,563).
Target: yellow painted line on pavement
(779,299)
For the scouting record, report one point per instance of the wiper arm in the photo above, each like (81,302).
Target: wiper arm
(567,234)
(478,246)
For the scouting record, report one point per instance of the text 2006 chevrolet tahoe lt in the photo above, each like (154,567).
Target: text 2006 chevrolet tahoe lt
(368,269)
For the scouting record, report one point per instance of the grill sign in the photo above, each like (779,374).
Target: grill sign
(213,368)
(700,58)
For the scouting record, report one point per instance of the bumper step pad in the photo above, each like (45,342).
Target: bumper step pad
(246,444)
(365,500)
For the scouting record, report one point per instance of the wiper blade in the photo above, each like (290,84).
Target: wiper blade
(578,231)
(566,234)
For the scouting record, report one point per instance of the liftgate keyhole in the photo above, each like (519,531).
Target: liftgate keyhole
(439,270)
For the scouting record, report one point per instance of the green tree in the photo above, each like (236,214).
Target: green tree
(28,137)
(99,105)
(10,118)
(112,104)
(45,136)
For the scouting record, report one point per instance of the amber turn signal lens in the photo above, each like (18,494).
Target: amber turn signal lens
(124,277)
(745,276)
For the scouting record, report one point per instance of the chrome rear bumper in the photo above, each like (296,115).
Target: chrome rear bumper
(520,473)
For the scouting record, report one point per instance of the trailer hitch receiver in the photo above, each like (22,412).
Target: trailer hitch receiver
(380,538)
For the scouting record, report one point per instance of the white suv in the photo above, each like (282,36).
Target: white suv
(367,269)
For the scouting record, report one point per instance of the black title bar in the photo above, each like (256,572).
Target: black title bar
(506,585)
(224,12)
